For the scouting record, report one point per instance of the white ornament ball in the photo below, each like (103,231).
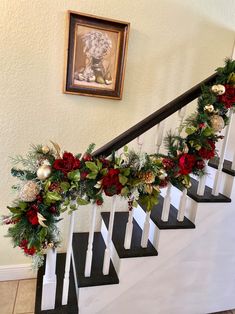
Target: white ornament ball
(209,108)
(217,123)
(218,89)
(45,149)
(29,191)
(43,172)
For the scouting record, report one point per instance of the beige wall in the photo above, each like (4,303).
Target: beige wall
(173,44)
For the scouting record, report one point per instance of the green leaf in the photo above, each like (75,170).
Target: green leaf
(125,191)
(47,185)
(122,179)
(99,164)
(14,210)
(73,207)
(22,205)
(92,175)
(207,132)
(92,166)
(104,171)
(126,171)
(125,149)
(65,186)
(81,201)
(74,175)
(52,197)
(190,130)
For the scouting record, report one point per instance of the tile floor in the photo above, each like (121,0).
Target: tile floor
(17,297)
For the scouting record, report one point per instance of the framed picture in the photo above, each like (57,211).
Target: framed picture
(96,56)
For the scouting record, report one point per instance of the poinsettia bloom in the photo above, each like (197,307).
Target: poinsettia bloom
(186,163)
(208,151)
(67,163)
(111,184)
(228,98)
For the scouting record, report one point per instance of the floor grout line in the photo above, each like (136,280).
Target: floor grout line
(16,296)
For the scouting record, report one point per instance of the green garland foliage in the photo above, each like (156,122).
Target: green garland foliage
(52,182)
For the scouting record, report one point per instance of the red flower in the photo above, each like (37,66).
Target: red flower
(111,184)
(24,245)
(201,125)
(228,98)
(67,163)
(186,163)
(207,152)
(32,216)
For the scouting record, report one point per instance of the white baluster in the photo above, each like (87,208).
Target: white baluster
(129,230)
(215,190)
(181,114)
(182,205)
(49,282)
(166,204)
(145,232)
(233,163)
(107,253)
(68,262)
(140,142)
(89,253)
(202,182)
(160,132)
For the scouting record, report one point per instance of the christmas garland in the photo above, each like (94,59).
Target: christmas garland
(52,182)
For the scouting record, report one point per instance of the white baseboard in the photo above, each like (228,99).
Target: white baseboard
(17,272)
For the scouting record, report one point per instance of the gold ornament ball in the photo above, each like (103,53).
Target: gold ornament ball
(218,89)
(45,149)
(29,191)
(217,123)
(43,172)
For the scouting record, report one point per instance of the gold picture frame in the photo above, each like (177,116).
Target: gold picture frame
(96,56)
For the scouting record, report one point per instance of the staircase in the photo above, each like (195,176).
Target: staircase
(139,262)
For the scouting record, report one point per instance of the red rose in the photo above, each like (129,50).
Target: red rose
(111,184)
(186,163)
(32,216)
(207,152)
(67,163)
(228,98)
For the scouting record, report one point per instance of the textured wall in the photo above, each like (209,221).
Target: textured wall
(173,44)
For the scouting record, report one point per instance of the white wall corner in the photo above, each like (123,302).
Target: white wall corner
(17,272)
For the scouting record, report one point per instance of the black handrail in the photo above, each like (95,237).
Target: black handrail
(153,119)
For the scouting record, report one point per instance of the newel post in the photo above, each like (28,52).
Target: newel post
(49,281)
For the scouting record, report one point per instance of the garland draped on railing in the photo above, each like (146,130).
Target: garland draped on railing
(52,182)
